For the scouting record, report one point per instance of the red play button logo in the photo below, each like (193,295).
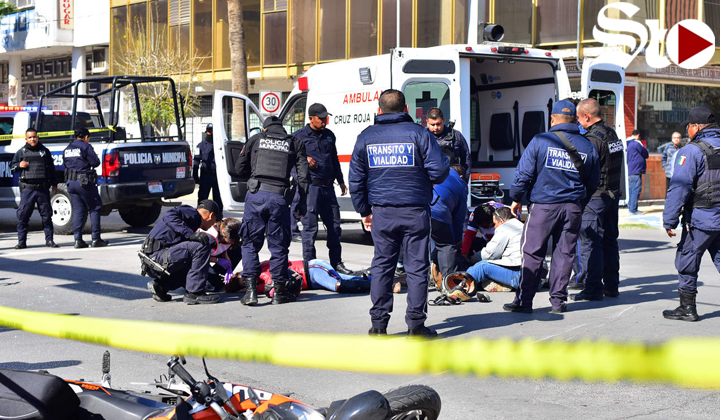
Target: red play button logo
(691,44)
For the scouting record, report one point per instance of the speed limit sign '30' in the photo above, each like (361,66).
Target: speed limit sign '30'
(270,101)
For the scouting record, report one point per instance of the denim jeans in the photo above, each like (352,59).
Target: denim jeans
(485,270)
(635,189)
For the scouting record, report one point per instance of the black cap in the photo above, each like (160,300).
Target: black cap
(318,110)
(212,207)
(272,120)
(209,127)
(700,115)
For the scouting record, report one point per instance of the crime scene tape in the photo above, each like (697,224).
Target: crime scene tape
(690,362)
(53,133)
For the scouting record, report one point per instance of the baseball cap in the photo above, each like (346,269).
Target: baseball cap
(318,110)
(700,115)
(564,108)
(271,120)
(212,207)
(209,127)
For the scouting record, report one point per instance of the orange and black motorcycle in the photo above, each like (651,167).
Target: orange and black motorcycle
(28,395)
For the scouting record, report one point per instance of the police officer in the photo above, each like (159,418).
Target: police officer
(182,252)
(37,176)
(597,264)
(321,200)
(393,167)
(204,171)
(447,216)
(694,193)
(451,141)
(556,183)
(80,161)
(267,159)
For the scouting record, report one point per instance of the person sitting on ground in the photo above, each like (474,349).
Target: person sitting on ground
(225,236)
(481,221)
(501,265)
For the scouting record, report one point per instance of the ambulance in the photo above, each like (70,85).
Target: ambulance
(498,95)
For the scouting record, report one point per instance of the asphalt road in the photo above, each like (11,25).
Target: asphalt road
(105,282)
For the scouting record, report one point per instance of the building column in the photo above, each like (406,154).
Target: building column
(15,80)
(78,72)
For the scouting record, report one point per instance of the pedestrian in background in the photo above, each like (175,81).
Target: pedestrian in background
(80,162)
(557,184)
(668,156)
(37,177)
(204,172)
(637,155)
(393,167)
(694,193)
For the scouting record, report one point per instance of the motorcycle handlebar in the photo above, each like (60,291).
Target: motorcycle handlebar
(175,366)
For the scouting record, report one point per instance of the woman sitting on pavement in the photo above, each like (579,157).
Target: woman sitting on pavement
(225,244)
(501,257)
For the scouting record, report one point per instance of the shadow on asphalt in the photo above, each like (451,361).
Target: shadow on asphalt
(464,324)
(640,245)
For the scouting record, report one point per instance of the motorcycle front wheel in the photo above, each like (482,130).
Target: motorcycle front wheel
(414,402)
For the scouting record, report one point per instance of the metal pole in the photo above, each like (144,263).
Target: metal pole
(577,58)
(397,25)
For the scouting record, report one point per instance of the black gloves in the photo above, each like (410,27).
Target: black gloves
(201,237)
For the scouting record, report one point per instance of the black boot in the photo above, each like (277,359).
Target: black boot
(281,295)
(687,311)
(306,267)
(250,298)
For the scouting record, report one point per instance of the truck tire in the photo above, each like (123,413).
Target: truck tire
(62,217)
(141,216)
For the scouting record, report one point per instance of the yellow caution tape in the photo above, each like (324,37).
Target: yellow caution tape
(691,362)
(54,133)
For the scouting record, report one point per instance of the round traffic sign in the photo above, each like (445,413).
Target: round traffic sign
(270,102)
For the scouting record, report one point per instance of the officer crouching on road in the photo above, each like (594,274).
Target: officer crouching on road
(695,193)
(393,167)
(321,200)
(80,162)
(267,159)
(204,171)
(179,255)
(37,175)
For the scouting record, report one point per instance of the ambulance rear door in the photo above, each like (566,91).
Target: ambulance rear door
(605,83)
(235,119)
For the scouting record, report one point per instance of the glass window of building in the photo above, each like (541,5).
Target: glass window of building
(222,36)
(461,22)
(303,31)
(202,34)
(138,18)
(332,29)
(389,24)
(180,38)
(556,21)
(119,29)
(251,25)
(275,41)
(430,23)
(711,10)
(515,16)
(158,11)
(363,28)
(421,96)
(649,9)
(679,10)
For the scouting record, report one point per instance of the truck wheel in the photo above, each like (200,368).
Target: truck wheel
(141,216)
(62,217)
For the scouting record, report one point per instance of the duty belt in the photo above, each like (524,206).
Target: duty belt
(272,188)
(321,182)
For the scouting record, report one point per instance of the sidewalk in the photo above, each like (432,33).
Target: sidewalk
(652,219)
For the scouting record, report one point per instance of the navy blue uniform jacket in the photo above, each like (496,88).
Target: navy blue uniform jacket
(546,173)
(321,146)
(177,225)
(80,156)
(395,163)
(689,165)
(449,204)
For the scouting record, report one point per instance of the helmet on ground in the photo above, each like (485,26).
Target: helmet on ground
(459,285)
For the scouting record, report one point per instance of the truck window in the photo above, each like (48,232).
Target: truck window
(607,102)
(421,96)
(295,118)
(63,122)
(233,111)
(6,125)
(533,123)
(255,122)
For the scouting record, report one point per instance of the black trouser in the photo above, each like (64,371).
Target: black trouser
(208,181)
(445,252)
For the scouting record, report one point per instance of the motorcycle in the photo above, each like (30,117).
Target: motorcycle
(38,395)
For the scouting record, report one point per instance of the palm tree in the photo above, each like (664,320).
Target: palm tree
(6,8)
(238,64)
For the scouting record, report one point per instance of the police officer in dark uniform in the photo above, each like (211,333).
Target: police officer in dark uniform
(695,193)
(179,254)
(597,264)
(321,200)
(392,171)
(37,176)
(267,159)
(80,162)
(452,142)
(204,171)
(549,174)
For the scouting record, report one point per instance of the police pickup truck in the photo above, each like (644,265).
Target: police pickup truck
(135,174)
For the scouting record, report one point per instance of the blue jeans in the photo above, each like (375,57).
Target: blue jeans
(635,189)
(486,270)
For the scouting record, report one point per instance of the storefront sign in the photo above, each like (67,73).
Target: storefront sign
(66,14)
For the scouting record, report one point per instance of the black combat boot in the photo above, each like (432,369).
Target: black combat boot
(281,295)
(687,311)
(250,298)
(306,267)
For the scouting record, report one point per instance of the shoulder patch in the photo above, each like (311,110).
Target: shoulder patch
(681,160)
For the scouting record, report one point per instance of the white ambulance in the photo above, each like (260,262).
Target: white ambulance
(499,96)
